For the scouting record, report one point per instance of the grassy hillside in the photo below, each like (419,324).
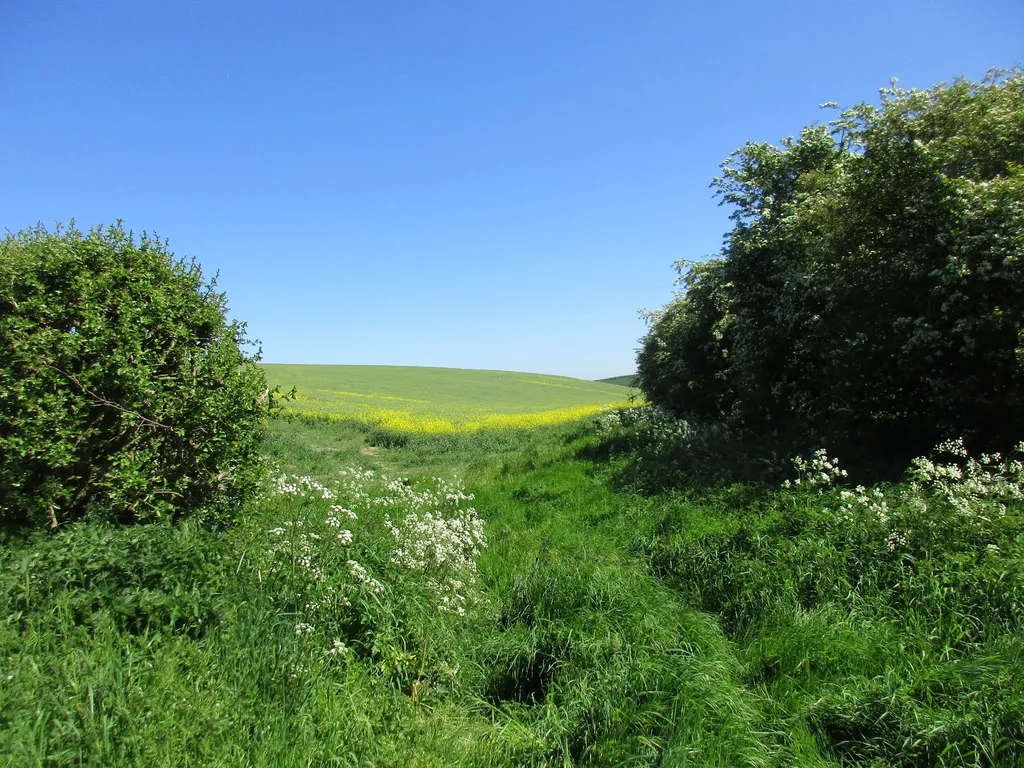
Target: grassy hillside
(622,381)
(435,400)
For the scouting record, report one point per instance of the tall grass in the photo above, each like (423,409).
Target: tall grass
(594,623)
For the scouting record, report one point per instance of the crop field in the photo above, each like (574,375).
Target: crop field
(441,400)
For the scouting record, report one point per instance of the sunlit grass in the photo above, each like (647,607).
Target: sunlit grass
(729,625)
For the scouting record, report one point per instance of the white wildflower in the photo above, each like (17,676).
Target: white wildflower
(338,648)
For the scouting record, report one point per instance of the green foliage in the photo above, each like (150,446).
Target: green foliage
(125,393)
(159,578)
(871,294)
(660,452)
(616,670)
(887,621)
(733,625)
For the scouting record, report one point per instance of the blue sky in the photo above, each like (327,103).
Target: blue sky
(472,184)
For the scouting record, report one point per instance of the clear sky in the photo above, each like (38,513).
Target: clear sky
(472,183)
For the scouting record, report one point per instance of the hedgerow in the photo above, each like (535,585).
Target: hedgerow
(869,296)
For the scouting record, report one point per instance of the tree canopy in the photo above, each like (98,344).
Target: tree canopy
(871,291)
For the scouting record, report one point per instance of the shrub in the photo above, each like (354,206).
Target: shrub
(125,393)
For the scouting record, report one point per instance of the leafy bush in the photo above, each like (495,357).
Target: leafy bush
(125,393)
(870,294)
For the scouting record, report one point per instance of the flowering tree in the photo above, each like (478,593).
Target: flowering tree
(871,292)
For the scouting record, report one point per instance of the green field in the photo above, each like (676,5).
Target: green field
(438,400)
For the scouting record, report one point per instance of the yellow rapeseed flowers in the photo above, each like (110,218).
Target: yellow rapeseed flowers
(431,423)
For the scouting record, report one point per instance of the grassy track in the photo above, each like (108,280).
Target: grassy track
(604,623)
(440,400)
